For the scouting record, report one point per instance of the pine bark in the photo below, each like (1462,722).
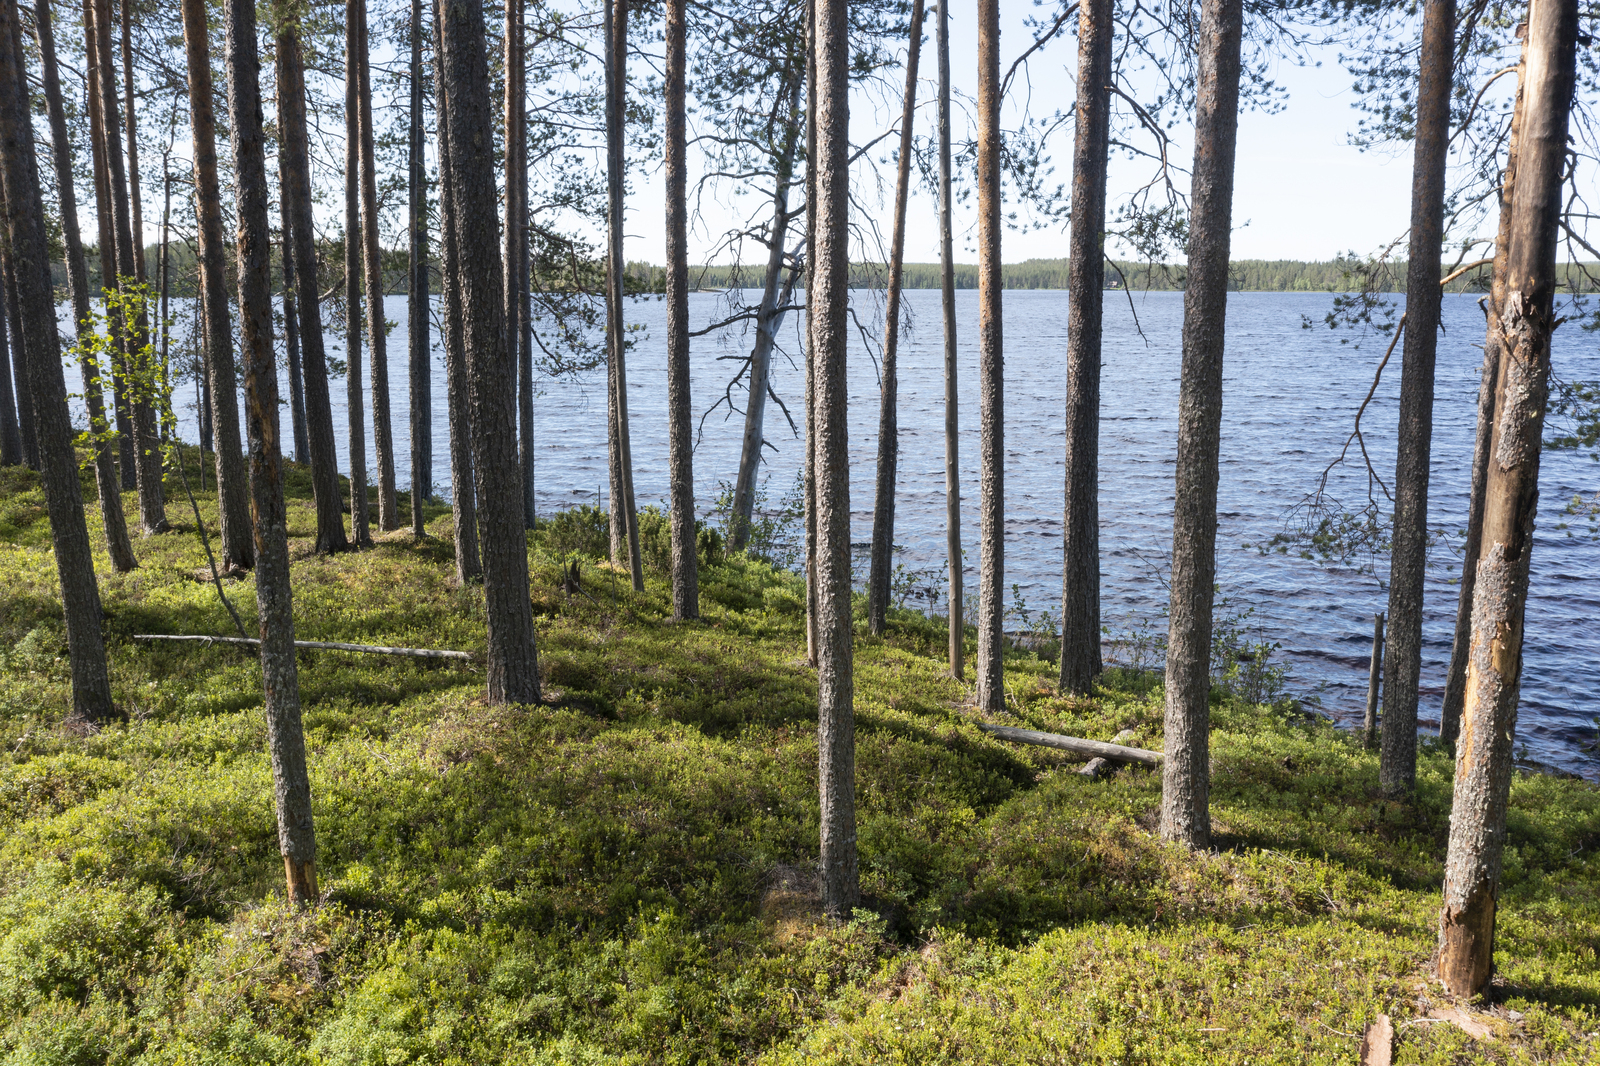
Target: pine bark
(808,476)
(829,328)
(355,397)
(291,323)
(106,252)
(1408,560)
(515,239)
(888,426)
(26,240)
(419,342)
(680,415)
(1080,526)
(118,547)
(1526,320)
(131,118)
(952,396)
(991,690)
(513,665)
(10,431)
(624,516)
(27,438)
(1186,770)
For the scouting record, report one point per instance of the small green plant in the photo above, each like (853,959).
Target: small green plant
(585,530)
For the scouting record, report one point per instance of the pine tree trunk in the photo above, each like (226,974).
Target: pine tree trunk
(952,397)
(624,526)
(377,333)
(1408,561)
(515,239)
(118,548)
(279,678)
(888,427)
(1526,321)
(355,396)
(829,328)
(28,439)
(417,333)
(10,431)
(991,694)
(29,252)
(131,118)
(809,469)
(513,664)
(463,493)
(291,325)
(680,416)
(1186,770)
(295,173)
(1086,273)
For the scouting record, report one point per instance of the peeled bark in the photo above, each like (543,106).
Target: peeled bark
(1526,320)
(513,664)
(118,548)
(829,328)
(1080,526)
(372,261)
(624,516)
(418,341)
(29,252)
(680,416)
(1186,771)
(1408,560)
(991,694)
(355,397)
(952,399)
(888,427)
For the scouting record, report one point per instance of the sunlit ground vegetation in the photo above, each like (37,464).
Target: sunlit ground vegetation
(624,875)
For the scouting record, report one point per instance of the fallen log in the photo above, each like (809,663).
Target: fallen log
(370,649)
(1078,746)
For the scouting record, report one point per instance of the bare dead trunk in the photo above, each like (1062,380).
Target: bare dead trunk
(1080,526)
(1408,560)
(991,694)
(25,237)
(417,332)
(952,398)
(377,333)
(624,517)
(888,427)
(1526,320)
(280,680)
(1186,770)
(680,417)
(355,395)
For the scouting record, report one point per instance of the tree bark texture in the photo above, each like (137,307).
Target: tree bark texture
(355,395)
(513,664)
(417,332)
(991,694)
(10,431)
(829,304)
(1186,771)
(515,238)
(952,398)
(131,117)
(808,475)
(1408,560)
(888,426)
(291,324)
(295,173)
(372,259)
(1080,525)
(680,414)
(624,516)
(118,548)
(1484,750)
(29,251)
(27,438)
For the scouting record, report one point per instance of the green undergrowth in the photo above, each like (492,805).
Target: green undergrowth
(626,874)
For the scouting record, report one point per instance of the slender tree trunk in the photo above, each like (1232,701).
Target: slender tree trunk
(624,526)
(513,664)
(1526,321)
(280,682)
(991,694)
(118,547)
(131,117)
(382,430)
(809,470)
(295,173)
(10,431)
(829,328)
(355,398)
(1080,525)
(291,324)
(417,337)
(1186,770)
(1455,687)
(237,543)
(680,416)
(1408,560)
(462,489)
(27,437)
(516,240)
(25,237)
(888,427)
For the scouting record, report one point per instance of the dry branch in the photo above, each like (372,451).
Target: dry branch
(1076,745)
(371,649)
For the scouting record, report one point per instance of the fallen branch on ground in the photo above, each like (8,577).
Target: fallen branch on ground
(414,653)
(1076,745)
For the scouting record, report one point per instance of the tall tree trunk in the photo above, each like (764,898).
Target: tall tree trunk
(291,324)
(28,438)
(829,328)
(280,681)
(624,525)
(10,431)
(680,417)
(118,547)
(513,663)
(991,694)
(295,174)
(1455,686)
(1086,274)
(888,427)
(377,332)
(355,398)
(809,470)
(1408,560)
(131,118)
(1526,321)
(417,337)
(1186,771)
(24,232)
(516,236)
(222,401)
(139,366)
(463,492)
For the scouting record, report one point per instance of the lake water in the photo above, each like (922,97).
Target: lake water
(1290,394)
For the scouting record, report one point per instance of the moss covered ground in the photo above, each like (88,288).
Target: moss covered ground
(624,875)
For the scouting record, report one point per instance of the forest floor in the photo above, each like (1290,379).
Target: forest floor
(625,874)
